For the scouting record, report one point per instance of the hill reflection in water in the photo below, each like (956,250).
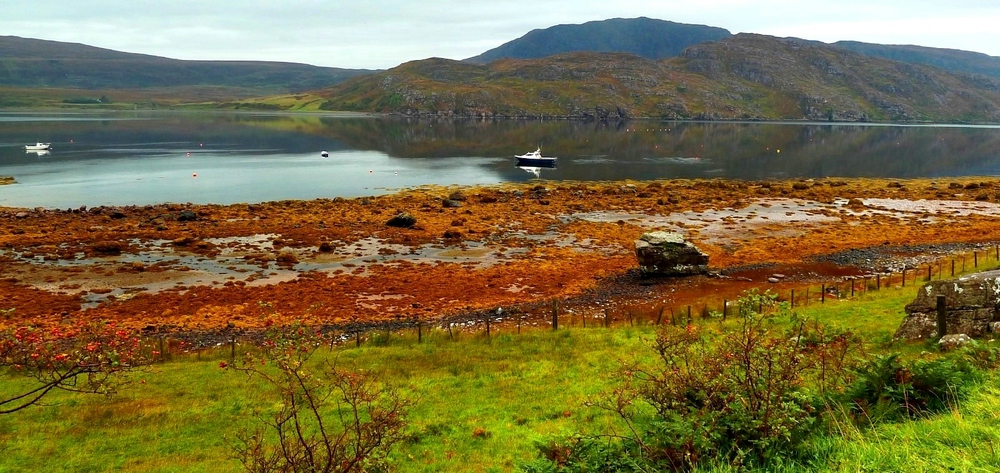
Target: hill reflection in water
(142,158)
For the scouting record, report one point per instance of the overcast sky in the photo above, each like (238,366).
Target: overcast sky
(379,34)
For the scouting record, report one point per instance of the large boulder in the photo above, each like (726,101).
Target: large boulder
(402,220)
(668,254)
(972,304)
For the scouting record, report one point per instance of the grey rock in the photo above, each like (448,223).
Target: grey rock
(953,341)
(187,216)
(669,254)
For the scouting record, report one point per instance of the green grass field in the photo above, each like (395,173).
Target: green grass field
(479,404)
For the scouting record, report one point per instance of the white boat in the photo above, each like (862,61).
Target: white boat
(38,147)
(535,158)
(324,153)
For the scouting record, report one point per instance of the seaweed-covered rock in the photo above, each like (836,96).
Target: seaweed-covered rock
(669,254)
(402,220)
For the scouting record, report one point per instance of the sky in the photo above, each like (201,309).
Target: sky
(380,34)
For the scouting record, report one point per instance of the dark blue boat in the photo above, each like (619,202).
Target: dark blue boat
(535,158)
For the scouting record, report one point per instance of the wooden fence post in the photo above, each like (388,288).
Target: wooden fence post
(420,332)
(822,295)
(942,317)
(689,315)
(555,314)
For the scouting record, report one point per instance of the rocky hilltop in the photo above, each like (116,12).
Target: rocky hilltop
(744,77)
(645,37)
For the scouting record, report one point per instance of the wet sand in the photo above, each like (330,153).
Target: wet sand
(472,250)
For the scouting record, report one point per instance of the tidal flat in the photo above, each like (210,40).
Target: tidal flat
(175,268)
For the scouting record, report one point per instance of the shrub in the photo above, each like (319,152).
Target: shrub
(888,390)
(744,397)
(330,419)
(79,357)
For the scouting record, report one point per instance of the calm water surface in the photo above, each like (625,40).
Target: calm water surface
(152,157)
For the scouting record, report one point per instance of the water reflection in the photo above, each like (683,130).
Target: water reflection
(536,170)
(145,157)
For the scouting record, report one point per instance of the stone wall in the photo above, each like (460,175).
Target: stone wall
(972,304)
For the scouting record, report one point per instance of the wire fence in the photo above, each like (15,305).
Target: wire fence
(559,314)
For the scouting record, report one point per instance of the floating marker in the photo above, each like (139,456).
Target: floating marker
(194,175)
(189,154)
(369,171)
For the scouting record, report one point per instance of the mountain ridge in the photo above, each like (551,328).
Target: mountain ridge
(36,63)
(645,37)
(744,77)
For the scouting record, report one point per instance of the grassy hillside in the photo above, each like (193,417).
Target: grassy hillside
(750,77)
(948,59)
(34,63)
(645,37)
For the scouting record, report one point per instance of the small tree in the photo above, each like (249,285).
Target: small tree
(330,420)
(86,358)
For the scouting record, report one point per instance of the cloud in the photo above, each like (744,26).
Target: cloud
(384,33)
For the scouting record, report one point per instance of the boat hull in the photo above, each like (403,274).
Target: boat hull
(536,162)
(37,147)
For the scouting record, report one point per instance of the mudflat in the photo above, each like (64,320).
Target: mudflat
(177,267)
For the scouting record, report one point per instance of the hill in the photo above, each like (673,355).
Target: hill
(34,63)
(644,37)
(948,59)
(746,76)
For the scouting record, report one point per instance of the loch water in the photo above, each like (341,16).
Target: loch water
(138,158)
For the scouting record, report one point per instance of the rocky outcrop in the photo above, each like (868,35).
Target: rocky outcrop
(972,304)
(668,254)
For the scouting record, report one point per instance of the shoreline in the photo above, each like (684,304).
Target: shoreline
(197,109)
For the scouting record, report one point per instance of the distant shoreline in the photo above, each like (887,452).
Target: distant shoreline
(353,114)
